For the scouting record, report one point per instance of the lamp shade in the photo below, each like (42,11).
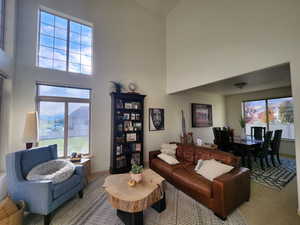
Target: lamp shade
(31,131)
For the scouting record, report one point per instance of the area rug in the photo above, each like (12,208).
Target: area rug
(275,177)
(94,209)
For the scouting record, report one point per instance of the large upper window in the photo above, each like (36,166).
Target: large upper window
(64,115)
(64,44)
(280,115)
(2,23)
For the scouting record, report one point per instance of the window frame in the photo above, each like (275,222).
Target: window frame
(69,20)
(66,101)
(267,110)
(3,25)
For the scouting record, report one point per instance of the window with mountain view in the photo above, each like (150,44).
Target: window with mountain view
(64,115)
(280,115)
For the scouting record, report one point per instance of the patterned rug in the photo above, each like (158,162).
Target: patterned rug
(275,177)
(94,209)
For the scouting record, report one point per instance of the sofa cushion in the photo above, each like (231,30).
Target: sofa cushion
(185,153)
(164,168)
(57,171)
(191,181)
(62,188)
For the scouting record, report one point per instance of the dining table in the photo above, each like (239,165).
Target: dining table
(247,145)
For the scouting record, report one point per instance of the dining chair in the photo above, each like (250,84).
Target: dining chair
(275,146)
(263,150)
(217,135)
(258,132)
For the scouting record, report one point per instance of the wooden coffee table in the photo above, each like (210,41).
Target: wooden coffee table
(130,202)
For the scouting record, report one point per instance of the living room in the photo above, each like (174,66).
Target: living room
(169,50)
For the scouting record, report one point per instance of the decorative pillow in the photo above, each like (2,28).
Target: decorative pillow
(7,208)
(169,149)
(212,169)
(199,164)
(56,171)
(168,159)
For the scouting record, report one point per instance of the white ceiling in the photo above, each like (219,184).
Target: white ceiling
(161,7)
(273,77)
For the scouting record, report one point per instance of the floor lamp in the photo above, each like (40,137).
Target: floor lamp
(30,135)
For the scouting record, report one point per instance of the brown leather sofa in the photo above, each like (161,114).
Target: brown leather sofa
(222,195)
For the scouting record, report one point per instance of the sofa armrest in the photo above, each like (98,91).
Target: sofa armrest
(153,155)
(230,190)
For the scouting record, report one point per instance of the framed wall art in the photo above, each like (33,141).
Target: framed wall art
(156,119)
(201,115)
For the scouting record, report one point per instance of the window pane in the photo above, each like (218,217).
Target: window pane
(47,18)
(52,124)
(86,69)
(75,27)
(59,65)
(281,116)
(54,91)
(78,128)
(255,114)
(86,60)
(46,41)
(60,55)
(45,62)
(74,68)
(86,31)
(74,58)
(46,52)
(86,50)
(74,37)
(85,40)
(61,33)
(61,22)
(74,47)
(60,44)
(47,29)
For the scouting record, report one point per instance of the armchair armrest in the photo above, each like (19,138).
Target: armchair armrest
(79,170)
(153,155)
(230,190)
(36,194)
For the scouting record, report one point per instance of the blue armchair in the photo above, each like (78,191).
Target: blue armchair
(41,197)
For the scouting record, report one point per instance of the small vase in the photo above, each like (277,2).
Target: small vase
(243,134)
(137,177)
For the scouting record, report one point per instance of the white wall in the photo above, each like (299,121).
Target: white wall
(7,66)
(213,40)
(234,111)
(129,45)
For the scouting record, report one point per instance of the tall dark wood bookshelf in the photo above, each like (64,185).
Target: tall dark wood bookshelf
(127,132)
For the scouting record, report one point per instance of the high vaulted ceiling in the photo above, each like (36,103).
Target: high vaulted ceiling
(161,7)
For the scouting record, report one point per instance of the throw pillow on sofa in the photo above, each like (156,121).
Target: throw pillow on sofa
(7,208)
(168,159)
(212,169)
(169,149)
(57,171)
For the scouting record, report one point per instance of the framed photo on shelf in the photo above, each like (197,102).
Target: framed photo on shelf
(130,137)
(201,115)
(133,116)
(126,116)
(128,105)
(156,119)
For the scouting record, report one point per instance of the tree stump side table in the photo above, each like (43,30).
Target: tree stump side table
(130,202)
